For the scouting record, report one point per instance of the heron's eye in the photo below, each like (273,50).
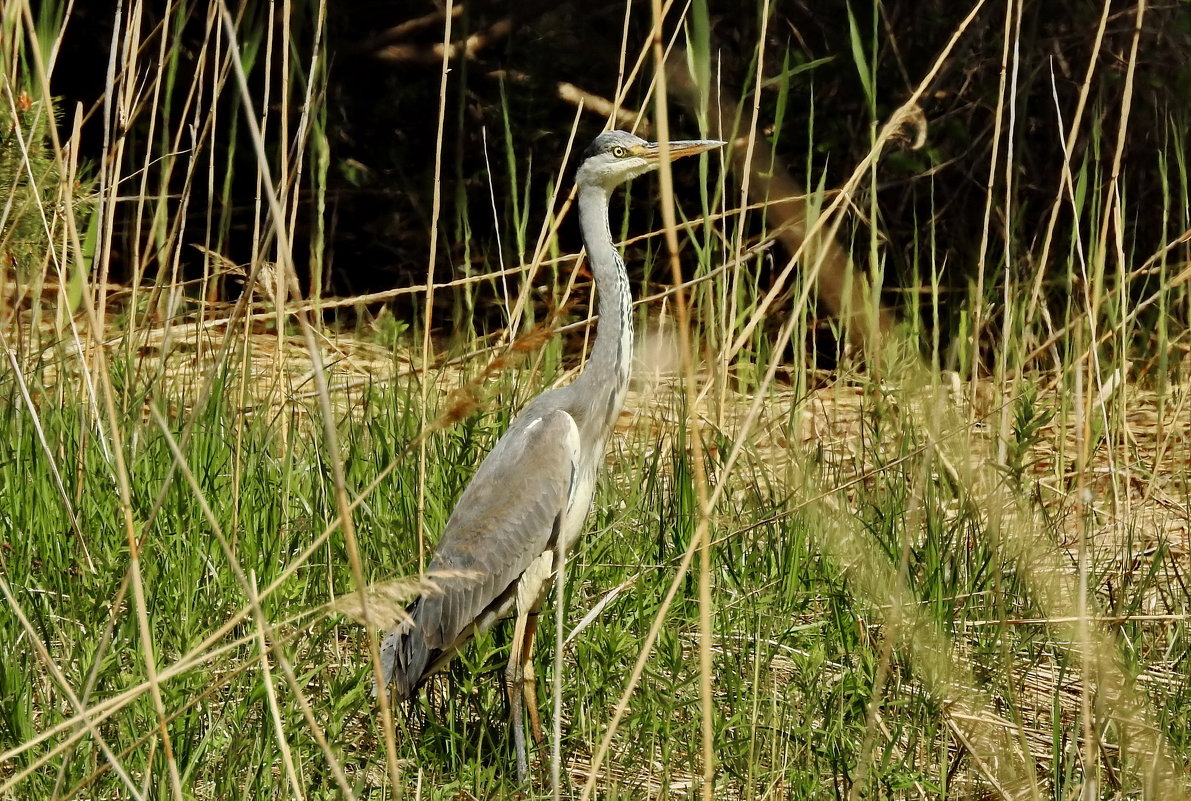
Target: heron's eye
(619,152)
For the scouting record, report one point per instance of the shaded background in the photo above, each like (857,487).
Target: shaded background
(380,97)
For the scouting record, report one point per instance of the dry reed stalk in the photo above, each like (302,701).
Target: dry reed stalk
(764,180)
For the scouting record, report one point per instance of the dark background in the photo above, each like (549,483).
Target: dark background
(381,98)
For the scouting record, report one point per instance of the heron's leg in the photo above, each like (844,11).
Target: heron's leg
(513,686)
(529,679)
(530,589)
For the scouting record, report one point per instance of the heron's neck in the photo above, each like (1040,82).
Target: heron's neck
(606,376)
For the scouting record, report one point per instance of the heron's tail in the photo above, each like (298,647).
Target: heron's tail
(404,655)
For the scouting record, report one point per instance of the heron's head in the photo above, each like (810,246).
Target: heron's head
(616,156)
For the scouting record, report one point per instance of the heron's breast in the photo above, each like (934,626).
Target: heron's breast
(575,520)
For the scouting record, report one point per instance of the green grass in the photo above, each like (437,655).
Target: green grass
(800,629)
(897,551)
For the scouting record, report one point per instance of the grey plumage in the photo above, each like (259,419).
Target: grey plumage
(507,516)
(531,493)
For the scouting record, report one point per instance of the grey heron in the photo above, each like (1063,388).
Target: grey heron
(531,494)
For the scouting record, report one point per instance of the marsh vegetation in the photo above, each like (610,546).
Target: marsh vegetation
(908,519)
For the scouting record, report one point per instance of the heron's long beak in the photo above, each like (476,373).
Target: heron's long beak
(683,147)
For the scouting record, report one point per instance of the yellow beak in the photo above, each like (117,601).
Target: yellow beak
(680,148)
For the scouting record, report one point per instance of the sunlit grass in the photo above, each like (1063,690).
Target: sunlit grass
(898,541)
(799,638)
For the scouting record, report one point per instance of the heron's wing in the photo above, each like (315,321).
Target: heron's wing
(506,518)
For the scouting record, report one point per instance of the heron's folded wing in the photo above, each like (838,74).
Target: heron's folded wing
(505,519)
